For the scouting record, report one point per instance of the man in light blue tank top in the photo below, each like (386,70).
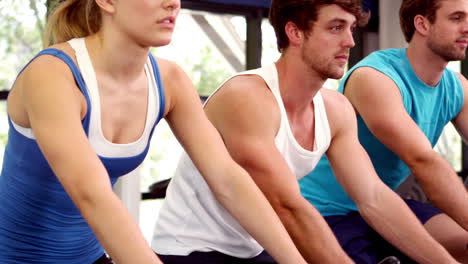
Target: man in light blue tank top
(404,98)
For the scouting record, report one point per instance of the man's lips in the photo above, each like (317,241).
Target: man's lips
(462,42)
(342,58)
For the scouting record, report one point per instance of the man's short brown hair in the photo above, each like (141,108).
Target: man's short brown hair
(411,8)
(304,12)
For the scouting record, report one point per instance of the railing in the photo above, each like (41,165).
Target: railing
(3,95)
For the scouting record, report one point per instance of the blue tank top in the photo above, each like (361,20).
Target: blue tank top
(430,107)
(39,223)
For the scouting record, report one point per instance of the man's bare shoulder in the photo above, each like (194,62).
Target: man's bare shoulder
(367,71)
(245,83)
(463,80)
(363,76)
(244,101)
(245,90)
(333,99)
(339,109)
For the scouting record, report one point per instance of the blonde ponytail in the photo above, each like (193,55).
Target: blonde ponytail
(72,19)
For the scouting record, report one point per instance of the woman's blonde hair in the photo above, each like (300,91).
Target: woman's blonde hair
(72,19)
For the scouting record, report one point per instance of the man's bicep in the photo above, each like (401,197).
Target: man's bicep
(253,148)
(378,102)
(375,97)
(248,119)
(260,157)
(245,116)
(461,120)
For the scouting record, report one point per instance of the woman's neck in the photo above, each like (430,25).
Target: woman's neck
(121,59)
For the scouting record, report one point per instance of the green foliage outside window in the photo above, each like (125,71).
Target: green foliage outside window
(208,73)
(21,26)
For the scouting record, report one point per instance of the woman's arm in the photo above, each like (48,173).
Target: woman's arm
(230,184)
(52,104)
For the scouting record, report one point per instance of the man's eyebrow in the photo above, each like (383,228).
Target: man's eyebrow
(460,13)
(341,21)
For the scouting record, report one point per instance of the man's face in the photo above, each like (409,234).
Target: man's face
(448,36)
(326,48)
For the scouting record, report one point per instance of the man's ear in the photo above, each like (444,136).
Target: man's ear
(106,5)
(295,35)
(421,25)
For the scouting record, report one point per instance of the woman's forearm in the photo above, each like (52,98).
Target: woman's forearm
(115,228)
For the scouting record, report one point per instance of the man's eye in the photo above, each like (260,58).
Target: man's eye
(336,28)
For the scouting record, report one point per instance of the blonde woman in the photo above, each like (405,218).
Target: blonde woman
(81,114)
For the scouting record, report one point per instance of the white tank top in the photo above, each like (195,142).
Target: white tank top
(191,218)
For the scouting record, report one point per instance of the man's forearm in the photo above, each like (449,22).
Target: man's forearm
(312,235)
(444,188)
(392,219)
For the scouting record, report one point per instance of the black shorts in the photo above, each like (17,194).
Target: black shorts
(215,257)
(104,259)
(366,246)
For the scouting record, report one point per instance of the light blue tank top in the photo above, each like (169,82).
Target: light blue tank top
(39,223)
(430,107)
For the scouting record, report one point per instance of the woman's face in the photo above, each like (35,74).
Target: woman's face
(148,22)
